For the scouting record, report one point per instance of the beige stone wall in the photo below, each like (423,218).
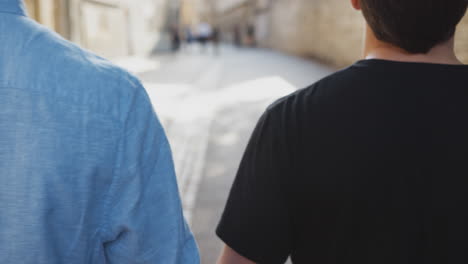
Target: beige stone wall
(111,28)
(147,24)
(104,29)
(330,30)
(49,13)
(118,28)
(193,12)
(462,40)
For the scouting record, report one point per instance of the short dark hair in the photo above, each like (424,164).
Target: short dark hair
(414,25)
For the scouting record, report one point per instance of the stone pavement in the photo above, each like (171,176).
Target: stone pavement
(209,105)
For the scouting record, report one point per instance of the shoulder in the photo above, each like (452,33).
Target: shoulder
(54,65)
(320,91)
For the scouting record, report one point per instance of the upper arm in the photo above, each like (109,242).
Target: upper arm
(229,256)
(144,220)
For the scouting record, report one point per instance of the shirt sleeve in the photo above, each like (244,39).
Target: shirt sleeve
(256,222)
(144,221)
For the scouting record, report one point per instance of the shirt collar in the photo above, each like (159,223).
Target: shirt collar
(16,7)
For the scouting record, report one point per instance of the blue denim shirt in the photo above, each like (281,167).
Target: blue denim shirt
(86,174)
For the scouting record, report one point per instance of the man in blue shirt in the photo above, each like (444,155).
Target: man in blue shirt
(86,174)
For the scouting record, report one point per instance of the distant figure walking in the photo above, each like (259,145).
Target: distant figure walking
(188,35)
(237,36)
(204,34)
(251,39)
(216,39)
(175,39)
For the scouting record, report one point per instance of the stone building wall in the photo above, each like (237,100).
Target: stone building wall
(461,43)
(115,28)
(330,30)
(148,24)
(111,28)
(51,13)
(103,27)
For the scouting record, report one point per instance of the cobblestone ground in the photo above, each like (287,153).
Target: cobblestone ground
(209,105)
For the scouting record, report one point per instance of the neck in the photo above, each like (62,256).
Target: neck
(441,54)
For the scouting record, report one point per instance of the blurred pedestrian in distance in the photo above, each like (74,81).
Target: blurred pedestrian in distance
(237,36)
(251,40)
(216,39)
(368,165)
(188,35)
(204,31)
(175,39)
(86,173)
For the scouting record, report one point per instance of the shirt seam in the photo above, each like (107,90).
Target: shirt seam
(103,228)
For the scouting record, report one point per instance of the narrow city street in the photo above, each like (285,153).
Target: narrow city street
(211,68)
(209,105)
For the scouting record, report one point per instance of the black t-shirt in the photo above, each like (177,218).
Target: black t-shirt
(369,165)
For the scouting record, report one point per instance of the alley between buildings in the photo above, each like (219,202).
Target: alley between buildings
(209,105)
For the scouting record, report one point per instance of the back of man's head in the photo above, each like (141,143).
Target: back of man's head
(414,25)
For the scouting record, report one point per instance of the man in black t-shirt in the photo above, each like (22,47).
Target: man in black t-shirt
(369,165)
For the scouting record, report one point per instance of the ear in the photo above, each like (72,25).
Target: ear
(356,4)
